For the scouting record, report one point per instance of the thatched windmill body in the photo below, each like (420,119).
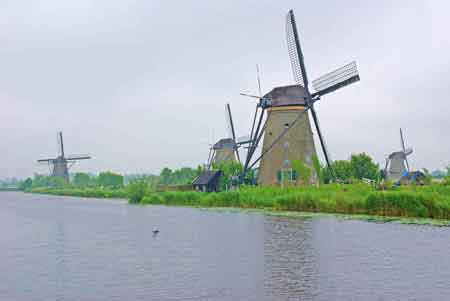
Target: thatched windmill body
(61,164)
(286,132)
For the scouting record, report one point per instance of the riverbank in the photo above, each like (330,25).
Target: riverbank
(10,189)
(102,193)
(409,202)
(432,202)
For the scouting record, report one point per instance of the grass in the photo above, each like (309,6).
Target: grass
(408,202)
(358,199)
(103,193)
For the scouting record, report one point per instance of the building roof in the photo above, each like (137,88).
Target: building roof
(207,177)
(293,95)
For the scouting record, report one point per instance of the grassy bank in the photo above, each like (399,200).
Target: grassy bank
(103,193)
(431,201)
(421,202)
(9,189)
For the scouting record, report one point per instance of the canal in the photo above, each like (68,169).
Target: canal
(63,248)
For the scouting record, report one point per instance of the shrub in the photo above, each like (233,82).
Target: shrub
(137,189)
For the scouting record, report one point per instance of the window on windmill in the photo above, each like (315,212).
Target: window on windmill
(287,175)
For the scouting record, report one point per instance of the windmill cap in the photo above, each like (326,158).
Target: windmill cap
(287,96)
(224,143)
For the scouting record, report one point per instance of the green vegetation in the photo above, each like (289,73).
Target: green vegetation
(379,199)
(110,180)
(184,175)
(87,192)
(109,184)
(358,167)
(229,169)
(106,185)
(447,177)
(137,189)
(408,201)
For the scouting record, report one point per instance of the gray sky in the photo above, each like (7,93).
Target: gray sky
(142,84)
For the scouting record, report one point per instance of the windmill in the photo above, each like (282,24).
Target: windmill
(61,164)
(227,149)
(287,120)
(397,162)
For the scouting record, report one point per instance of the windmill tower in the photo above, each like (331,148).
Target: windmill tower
(61,164)
(227,149)
(397,162)
(287,120)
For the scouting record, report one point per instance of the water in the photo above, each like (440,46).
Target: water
(56,248)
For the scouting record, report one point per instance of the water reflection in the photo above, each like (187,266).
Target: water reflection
(61,270)
(290,263)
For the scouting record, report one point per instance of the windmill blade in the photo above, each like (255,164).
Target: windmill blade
(259,80)
(244,139)
(250,95)
(45,160)
(60,144)
(408,151)
(322,141)
(78,157)
(229,118)
(208,163)
(336,79)
(254,121)
(231,127)
(295,51)
(402,141)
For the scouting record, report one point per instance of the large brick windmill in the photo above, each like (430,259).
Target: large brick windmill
(286,131)
(61,164)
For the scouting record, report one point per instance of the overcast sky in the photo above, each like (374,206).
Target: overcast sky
(142,84)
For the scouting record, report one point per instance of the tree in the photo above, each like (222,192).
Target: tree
(26,184)
(360,166)
(81,179)
(342,169)
(230,169)
(363,167)
(40,181)
(110,179)
(165,176)
(184,175)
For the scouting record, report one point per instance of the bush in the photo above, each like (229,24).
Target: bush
(136,190)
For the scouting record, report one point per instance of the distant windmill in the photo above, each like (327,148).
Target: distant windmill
(227,149)
(287,120)
(61,164)
(397,162)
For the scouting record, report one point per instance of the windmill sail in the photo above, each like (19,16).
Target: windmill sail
(295,51)
(300,76)
(60,144)
(78,157)
(230,123)
(405,151)
(336,79)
